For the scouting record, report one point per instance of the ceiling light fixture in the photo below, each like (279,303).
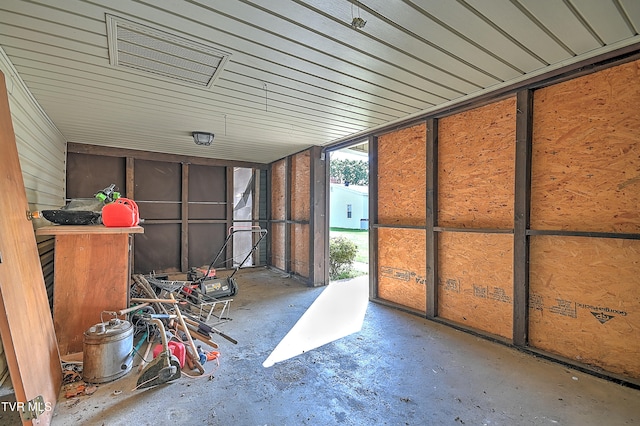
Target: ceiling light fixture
(357,21)
(202,138)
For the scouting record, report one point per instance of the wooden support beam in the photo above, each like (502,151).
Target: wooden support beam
(432,219)
(373,217)
(524,132)
(229,215)
(287,214)
(184,240)
(318,220)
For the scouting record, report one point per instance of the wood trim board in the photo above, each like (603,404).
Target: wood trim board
(26,324)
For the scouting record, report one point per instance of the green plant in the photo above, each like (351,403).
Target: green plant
(342,253)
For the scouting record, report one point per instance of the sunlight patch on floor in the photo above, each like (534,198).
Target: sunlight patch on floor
(338,312)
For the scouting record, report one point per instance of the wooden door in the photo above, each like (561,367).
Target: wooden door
(25,320)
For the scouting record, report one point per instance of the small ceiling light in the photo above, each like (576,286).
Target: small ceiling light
(358,22)
(202,138)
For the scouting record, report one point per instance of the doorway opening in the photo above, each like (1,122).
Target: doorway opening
(349,209)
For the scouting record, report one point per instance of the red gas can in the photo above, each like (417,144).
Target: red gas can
(176,348)
(123,212)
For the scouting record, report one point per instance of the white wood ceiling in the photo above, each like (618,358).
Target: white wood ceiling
(298,74)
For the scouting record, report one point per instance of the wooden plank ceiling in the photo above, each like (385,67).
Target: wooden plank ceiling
(298,73)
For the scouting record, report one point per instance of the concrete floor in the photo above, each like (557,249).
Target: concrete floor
(398,370)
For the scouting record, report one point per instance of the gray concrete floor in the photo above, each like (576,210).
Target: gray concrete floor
(398,370)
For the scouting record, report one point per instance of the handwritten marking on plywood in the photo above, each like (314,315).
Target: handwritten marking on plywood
(475,280)
(586,153)
(402,270)
(584,302)
(278,199)
(476,167)
(401,176)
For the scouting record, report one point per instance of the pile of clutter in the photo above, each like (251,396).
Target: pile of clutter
(177,343)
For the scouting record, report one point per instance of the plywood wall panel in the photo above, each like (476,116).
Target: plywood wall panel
(278,198)
(586,153)
(205,241)
(476,167)
(585,300)
(158,249)
(87,174)
(157,181)
(278,257)
(401,177)
(300,249)
(475,280)
(300,191)
(402,267)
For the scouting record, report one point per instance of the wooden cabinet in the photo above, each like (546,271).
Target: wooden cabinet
(91,275)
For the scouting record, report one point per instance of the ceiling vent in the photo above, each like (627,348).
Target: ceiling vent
(147,50)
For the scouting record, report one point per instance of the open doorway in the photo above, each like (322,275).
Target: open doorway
(340,309)
(349,208)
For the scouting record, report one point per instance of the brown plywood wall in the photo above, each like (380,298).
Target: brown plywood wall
(278,198)
(402,267)
(401,177)
(476,155)
(475,276)
(300,211)
(586,153)
(278,255)
(584,302)
(476,174)
(300,249)
(300,186)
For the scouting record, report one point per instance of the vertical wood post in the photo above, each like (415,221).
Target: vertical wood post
(318,224)
(432,219)
(184,224)
(288,178)
(229,215)
(524,132)
(269,216)
(373,217)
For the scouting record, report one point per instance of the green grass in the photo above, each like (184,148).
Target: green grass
(358,236)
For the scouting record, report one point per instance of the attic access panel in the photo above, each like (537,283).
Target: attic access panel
(147,50)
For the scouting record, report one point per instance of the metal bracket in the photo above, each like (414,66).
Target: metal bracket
(32,409)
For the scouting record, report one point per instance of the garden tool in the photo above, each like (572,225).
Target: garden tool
(164,368)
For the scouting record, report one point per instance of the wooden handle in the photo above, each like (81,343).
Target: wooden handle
(196,362)
(195,335)
(133,308)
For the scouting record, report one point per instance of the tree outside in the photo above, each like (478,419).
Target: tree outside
(353,172)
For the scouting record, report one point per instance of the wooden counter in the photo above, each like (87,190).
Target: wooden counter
(91,275)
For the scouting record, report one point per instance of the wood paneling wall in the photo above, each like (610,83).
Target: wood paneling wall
(529,220)
(585,193)
(476,172)
(297,221)
(401,216)
(42,152)
(185,203)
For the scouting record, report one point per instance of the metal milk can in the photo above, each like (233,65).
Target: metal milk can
(106,351)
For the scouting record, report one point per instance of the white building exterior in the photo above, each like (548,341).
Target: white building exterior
(349,206)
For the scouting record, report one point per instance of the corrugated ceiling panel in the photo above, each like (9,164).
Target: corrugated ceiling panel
(527,33)
(563,24)
(299,74)
(632,10)
(604,17)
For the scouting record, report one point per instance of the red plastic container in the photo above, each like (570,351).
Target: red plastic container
(176,348)
(123,212)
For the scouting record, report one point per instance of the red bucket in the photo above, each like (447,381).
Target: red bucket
(123,212)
